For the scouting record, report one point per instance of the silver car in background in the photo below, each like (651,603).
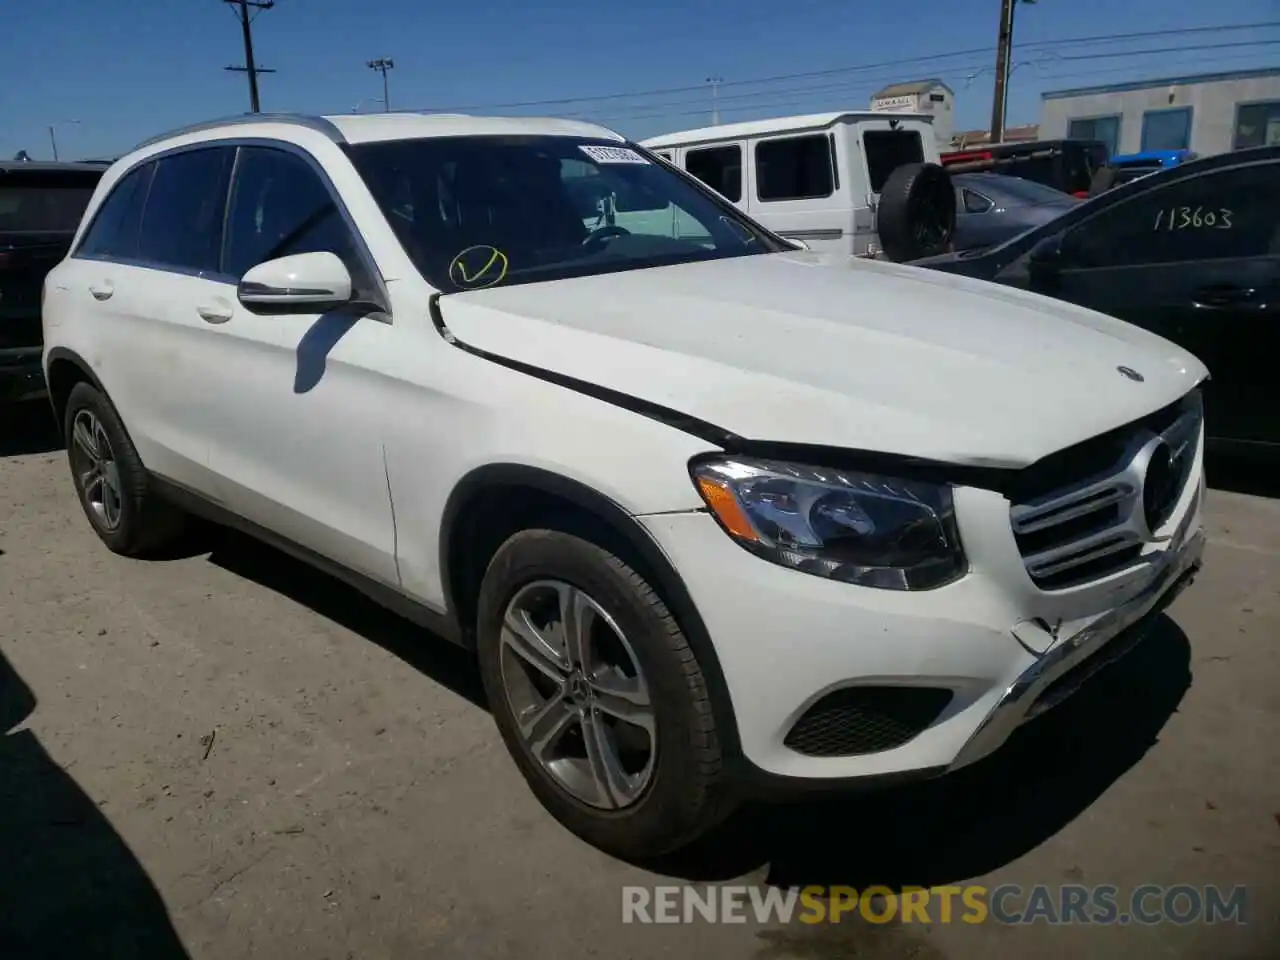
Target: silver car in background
(992,208)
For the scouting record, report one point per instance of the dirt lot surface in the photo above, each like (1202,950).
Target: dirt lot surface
(231,756)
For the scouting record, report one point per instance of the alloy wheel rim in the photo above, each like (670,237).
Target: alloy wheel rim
(96,471)
(581,702)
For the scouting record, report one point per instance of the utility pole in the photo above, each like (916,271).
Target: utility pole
(382,65)
(242,8)
(715,99)
(1004,55)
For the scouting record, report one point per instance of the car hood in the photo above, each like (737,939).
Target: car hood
(808,348)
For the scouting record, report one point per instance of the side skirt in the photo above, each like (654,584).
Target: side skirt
(439,622)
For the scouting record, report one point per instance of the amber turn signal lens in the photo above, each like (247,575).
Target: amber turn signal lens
(727,509)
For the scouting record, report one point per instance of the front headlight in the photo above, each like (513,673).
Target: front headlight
(861,528)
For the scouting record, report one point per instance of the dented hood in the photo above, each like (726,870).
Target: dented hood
(814,349)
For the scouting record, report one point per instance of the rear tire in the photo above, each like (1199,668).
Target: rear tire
(916,216)
(110,480)
(667,786)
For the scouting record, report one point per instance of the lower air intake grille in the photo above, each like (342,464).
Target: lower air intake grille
(859,720)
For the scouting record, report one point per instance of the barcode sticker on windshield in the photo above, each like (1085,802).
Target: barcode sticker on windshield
(612,154)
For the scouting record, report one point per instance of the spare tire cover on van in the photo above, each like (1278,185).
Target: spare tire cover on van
(916,216)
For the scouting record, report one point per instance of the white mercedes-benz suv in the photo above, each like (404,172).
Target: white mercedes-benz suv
(717,515)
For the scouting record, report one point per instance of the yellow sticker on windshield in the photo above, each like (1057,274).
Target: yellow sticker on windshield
(478,267)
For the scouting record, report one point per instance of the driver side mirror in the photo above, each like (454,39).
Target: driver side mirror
(1046,257)
(303,282)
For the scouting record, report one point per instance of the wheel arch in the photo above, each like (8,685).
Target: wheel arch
(494,501)
(64,368)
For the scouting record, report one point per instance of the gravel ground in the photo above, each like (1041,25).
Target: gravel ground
(230,755)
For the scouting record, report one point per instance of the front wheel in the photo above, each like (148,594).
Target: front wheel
(598,697)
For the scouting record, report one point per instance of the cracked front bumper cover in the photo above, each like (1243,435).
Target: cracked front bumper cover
(1066,666)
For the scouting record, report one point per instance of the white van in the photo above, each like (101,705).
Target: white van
(816,178)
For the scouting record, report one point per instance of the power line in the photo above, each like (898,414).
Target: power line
(811,97)
(1197,48)
(806,104)
(959,70)
(242,11)
(836,71)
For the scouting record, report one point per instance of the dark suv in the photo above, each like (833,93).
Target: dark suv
(1066,165)
(40,209)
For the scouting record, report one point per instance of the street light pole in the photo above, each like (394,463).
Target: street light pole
(53,140)
(715,99)
(382,65)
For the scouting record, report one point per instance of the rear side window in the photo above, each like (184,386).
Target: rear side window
(182,222)
(1223,215)
(794,168)
(887,150)
(975,202)
(720,168)
(44,202)
(114,231)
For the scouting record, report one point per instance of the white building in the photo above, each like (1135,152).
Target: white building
(920,96)
(1210,113)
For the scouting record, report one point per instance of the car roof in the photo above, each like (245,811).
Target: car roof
(375,127)
(1014,147)
(1232,158)
(1003,184)
(1149,156)
(773,125)
(9,166)
(979,177)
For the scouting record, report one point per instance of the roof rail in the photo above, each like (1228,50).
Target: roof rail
(318,124)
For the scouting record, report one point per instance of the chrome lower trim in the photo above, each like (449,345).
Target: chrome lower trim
(833,233)
(1019,701)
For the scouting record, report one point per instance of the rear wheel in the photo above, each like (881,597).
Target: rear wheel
(598,696)
(111,481)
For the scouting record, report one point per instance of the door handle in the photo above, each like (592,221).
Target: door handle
(103,290)
(214,312)
(1226,298)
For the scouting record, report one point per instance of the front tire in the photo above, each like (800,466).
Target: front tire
(598,696)
(111,481)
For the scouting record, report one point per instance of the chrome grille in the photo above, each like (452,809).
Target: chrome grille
(1087,511)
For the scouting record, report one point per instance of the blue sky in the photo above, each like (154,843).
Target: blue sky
(129,70)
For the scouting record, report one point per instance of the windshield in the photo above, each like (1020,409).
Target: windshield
(475,212)
(1031,191)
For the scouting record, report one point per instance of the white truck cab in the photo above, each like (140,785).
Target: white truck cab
(815,178)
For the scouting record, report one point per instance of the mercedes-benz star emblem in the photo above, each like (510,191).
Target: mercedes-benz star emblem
(1132,374)
(1159,486)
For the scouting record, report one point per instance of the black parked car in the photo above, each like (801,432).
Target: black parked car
(40,208)
(1191,253)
